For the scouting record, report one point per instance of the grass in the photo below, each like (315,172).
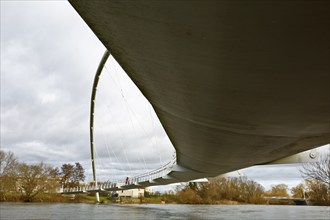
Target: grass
(53,198)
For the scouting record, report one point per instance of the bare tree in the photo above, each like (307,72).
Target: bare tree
(318,193)
(298,191)
(319,171)
(279,190)
(72,174)
(8,173)
(79,173)
(189,196)
(317,178)
(8,163)
(35,179)
(239,189)
(67,171)
(251,191)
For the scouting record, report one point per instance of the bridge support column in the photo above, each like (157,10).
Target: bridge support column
(97,197)
(91,131)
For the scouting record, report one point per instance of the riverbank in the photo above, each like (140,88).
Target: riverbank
(50,198)
(90,199)
(84,198)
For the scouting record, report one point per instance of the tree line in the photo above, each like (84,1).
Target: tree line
(237,190)
(29,180)
(315,188)
(221,190)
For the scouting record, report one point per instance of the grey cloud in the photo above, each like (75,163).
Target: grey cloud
(49,57)
(45,81)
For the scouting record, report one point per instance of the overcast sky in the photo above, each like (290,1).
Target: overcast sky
(48,61)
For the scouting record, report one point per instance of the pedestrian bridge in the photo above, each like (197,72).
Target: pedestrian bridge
(173,173)
(234,83)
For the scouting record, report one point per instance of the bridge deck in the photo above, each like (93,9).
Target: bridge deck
(234,83)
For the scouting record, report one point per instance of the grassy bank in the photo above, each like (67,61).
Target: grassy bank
(90,199)
(85,198)
(53,198)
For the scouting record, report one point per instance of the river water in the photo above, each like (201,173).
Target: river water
(15,211)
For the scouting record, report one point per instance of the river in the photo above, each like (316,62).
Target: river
(14,211)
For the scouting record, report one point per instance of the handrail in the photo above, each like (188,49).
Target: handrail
(135,180)
(154,174)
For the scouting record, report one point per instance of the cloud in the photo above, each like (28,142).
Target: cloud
(48,60)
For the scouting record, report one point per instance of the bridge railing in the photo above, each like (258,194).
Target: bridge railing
(149,176)
(154,174)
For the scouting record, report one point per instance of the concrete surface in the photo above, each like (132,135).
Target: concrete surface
(234,83)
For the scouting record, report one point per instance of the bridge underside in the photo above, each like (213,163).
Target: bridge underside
(234,83)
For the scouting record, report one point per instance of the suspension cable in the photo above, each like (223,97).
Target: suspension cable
(130,111)
(134,115)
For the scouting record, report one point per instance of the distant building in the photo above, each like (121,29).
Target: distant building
(132,193)
(148,190)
